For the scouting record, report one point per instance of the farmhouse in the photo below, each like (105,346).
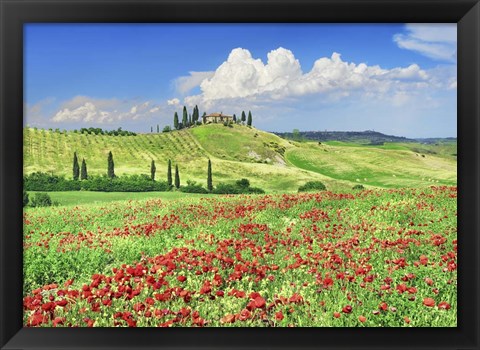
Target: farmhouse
(217,118)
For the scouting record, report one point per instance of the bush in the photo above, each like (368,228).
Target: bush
(41,200)
(167,129)
(240,187)
(358,187)
(134,183)
(312,186)
(25,198)
(193,187)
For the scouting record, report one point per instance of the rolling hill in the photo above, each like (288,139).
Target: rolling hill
(267,160)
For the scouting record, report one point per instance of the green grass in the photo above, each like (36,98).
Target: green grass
(382,166)
(91,197)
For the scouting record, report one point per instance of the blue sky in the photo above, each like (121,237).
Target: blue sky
(394,78)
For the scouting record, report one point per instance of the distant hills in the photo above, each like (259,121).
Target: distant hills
(367,137)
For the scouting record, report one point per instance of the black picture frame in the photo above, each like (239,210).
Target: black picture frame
(15,13)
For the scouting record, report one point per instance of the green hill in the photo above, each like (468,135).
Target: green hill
(267,160)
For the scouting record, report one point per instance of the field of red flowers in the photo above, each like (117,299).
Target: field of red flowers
(372,258)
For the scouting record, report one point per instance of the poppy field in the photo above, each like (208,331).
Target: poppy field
(370,258)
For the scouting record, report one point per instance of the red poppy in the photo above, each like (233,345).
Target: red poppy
(347,309)
(383,306)
(279,316)
(181,278)
(362,319)
(428,281)
(443,305)
(429,302)
(336,314)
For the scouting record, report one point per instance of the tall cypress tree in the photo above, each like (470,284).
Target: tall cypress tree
(158,128)
(189,120)
(243,116)
(169,173)
(152,170)
(175,121)
(151,129)
(185,117)
(234,118)
(111,166)
(76,168)
(209,176)
(83,173)
(177,177)
(249,121)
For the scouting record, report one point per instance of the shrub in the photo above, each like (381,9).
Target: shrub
(25,198)
(312,186)
(193,187)
(358,187)
(226,189)
(167,129)
(243,183)
(41,200)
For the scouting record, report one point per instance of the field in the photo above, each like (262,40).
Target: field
(268,161)
(381,257)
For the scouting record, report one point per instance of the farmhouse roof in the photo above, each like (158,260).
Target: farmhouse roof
(218,115)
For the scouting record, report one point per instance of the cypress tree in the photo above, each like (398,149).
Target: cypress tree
(152,170)
(158,128)
(203,116)
(195,114)
(111,166)
(209,176)
(249,121)
(169,173)
(151,129)
(243,116)
(189,120)
(185,117)
(175,121)
(76,168)
(83,173)
(177,177)
(234,118)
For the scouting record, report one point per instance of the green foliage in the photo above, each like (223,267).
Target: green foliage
(243,183)
(41,200)
(358,187)
(177,177)
(209,176)
(111,166)
(167,128)
(185,117)
(25,198)
(152,170)
(99,131)
(240,187)
(175,121)
(83,172)
(249,120)
(193,187)
(169,173)
(133,183)
(312,186)
(243,117)
(76,168)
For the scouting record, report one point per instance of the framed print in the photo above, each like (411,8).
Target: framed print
(223,174)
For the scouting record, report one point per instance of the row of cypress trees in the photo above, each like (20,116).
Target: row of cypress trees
(77,171)
(82,172)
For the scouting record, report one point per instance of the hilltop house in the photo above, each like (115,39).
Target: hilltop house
(217,118)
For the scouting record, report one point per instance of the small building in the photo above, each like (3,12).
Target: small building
(217,118)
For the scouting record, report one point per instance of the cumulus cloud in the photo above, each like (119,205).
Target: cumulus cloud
(186,83)
(436,41)
(173,102)
(102,111)
(243,77)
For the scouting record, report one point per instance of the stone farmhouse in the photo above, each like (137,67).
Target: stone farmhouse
(217,118)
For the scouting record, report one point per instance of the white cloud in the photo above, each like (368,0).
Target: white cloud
(173,102)
(186,83)
(243,77)
(437,41)
(102,111)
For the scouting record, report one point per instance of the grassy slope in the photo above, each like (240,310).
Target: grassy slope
(267,160)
